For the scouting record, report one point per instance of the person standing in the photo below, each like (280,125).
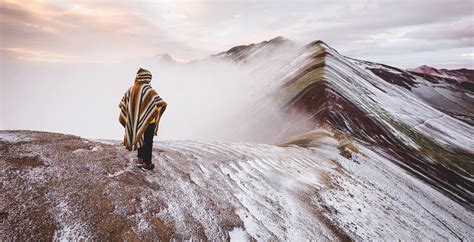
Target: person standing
(141,109)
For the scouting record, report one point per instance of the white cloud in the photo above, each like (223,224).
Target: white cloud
(119,30)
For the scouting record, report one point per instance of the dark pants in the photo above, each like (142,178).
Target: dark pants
(145,151)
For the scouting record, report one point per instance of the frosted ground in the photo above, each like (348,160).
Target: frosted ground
(67,187)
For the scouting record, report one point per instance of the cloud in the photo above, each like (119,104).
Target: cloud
(120,30)
(446,31)
(45,56)
(75,32)
(100,43)
(205,98)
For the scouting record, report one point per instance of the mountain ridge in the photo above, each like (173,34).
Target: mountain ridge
(423,122)
(332,89)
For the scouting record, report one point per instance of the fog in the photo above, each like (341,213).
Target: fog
(209,99)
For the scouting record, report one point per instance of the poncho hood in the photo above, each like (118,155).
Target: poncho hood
(143,76)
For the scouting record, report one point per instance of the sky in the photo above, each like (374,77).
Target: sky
(64,65)
(401,33)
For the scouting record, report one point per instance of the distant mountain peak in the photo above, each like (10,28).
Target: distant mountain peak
(462,75)
(165,57)
(277,40)
(241,52)
(317,42)
(425,68)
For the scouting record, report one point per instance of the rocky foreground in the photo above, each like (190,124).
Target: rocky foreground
(320,185)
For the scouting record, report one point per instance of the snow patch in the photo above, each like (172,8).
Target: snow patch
(238,235)
(14,138)
(69,230)
(97,148)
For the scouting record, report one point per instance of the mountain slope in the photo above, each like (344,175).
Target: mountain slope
(62,186)
(389,108)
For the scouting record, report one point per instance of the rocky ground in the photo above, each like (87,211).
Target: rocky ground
(317,186)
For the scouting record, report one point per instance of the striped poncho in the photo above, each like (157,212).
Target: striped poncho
(140,105)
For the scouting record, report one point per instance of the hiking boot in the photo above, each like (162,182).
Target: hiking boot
(148,167)
(139,161)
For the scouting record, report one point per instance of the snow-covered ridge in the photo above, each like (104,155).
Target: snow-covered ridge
(424,122)
(63,187)
(430,135)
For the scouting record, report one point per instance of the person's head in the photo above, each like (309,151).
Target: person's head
(143,75)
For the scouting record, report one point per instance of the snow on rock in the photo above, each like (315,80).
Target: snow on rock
(14,137)
(425,122)
(217,191)
(238,234)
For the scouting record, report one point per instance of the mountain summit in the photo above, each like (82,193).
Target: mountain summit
(165,58)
